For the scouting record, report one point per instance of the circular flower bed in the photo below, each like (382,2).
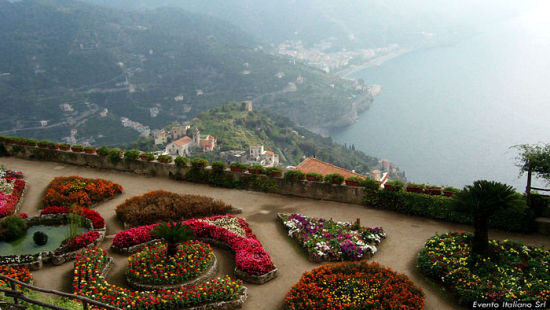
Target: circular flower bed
(66,191)
(162,206)
(152,266)
(512,271)
(354,285)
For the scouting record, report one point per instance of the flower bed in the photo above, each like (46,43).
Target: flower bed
(161,205)
(327,240)
(11,192)
(250,256)
(94,216)
(354,285)
(20,273)
(66,191)
(512,272)
(89,281)
(151,266)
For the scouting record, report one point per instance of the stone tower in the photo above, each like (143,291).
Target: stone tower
(248,106)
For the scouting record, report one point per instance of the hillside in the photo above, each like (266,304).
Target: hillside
(82,67)
(237,129)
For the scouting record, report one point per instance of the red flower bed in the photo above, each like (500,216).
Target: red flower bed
(20,273)
(79,242)
(66,191)
(250,256)
(11,189)
(92,215)
(354,285)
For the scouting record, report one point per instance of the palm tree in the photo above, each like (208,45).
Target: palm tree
(481,200)
(173,233)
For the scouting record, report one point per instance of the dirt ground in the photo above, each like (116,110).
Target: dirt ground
(406,235)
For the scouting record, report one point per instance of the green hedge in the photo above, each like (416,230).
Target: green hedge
(439,207)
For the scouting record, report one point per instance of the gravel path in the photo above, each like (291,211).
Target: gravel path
(406,234)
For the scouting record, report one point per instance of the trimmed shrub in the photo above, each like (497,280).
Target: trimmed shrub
(114,154)
(103,151)
(158,206)
(131,154)
(272,171)
(40,238)
(334,178)
(164,159)
(198,162)
(314,176)
(218,166)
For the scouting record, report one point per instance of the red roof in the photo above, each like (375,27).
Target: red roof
(318,166)
(206,143)
(183,141)
(269,153)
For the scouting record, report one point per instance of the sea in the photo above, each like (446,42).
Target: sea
(451,115)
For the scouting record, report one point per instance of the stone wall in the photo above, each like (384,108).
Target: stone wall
(314,190)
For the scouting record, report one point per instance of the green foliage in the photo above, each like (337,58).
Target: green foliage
(272,171)
(294,175)
(44,142)
(80,146)
(198,162)
(131,154)
(238,165)
(181,161)
(257,167)
(357,179)
(396,185)
(150,156)
(64,144)
(535,158)
(334,178)
(173,232)
(114,154)
(89,148)
(12,227)
(40,238)
(416,185)
(369,183)
(441,208)
(103,151)
(451,189)
(317,177)
(218,166)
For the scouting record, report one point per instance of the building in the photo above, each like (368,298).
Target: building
(318,166)
(161,138)
(180,147)
(186,145)
(178,132)
(258,156)
(248,106)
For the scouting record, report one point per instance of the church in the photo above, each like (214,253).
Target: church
(186,145)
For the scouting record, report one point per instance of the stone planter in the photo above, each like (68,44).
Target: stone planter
(312,178)
(53,146)
(352,183)
(64,147)
(76,149)
(42,146)
(89,151)
(416,190)
(10,141)
(236,169)
(254,171)
(143,157)
(448,193)
(434,191)
(276,174)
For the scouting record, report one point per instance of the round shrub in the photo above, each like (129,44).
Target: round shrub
(218,166)
(354,285)
(131,154)
(294,175)
(162,206)
(198,162)
(40,238)
(181,161)
(334,178)
(12,228)
(103,151)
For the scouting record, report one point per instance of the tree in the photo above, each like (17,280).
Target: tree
(534,158)
(481,200)
(172,233)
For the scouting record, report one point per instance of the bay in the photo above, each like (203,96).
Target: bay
(449,115)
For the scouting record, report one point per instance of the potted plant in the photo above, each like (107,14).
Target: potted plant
(103,151)
(10,140)
(53,145)
(314,177)
(115,153)
(433,190)
(131,154)
(237,167)
(353,181)
(256,169)
(64,146)
(149,156)
(164,159)
(370,183)
(30,142)
(181,161)
(294,175)
(394,186)
(275,172)
(334,178)
(415,188)
(218,166)
(449,191)
(43,144)
(198,162)
(89,150)
(20,141)
(77,148)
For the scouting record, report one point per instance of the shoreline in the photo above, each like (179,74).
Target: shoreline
(377,61)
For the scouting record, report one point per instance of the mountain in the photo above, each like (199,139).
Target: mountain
(355,23)
(237,129)
(101,75)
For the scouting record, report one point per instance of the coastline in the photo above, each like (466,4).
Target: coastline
(372,63)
